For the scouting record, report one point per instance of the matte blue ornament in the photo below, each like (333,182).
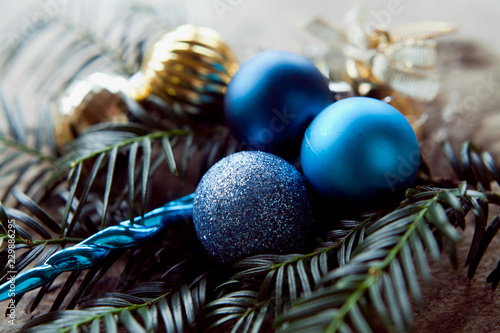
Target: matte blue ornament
(359,149)
(272,99)
(251,203)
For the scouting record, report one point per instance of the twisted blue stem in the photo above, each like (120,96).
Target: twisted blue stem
(95,248)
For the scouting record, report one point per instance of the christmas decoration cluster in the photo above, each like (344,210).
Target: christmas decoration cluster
(310,149)
(353,150)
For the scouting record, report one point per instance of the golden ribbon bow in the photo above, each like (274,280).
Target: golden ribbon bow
(400,59)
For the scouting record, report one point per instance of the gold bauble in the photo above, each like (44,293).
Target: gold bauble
(189,68)
(90,101)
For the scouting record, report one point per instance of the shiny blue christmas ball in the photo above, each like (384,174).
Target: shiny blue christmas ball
(272,99)
(359,149)
(251,203)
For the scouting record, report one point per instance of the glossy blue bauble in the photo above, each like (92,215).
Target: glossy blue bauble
(359,149)
(272,99)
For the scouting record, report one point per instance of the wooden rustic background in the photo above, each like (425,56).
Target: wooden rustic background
(466,61)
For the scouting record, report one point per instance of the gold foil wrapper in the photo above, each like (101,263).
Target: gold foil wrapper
(392,65)
(401,59)
(93,100)
(189,68)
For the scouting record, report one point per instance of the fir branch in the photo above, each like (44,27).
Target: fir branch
(78,38)
(25,149)
(478,168)
(242,306)
(22,164)
(121,144)
(100,147)
(372,257)
(179,309)
(51,241)
(102,48)
(116,24)
(265,278)
(380,265)
(119,137)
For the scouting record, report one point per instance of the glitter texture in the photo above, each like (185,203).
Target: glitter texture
(251,203)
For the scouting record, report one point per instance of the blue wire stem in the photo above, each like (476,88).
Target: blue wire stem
(95,248)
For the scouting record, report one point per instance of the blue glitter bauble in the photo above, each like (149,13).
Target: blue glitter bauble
(359,149)
(251,203)
(272,99)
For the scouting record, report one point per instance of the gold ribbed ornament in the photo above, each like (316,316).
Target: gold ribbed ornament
(95,99)
(189,68)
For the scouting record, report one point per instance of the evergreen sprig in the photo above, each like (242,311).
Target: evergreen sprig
(243,307)
(375,264)
(176,310)
(77,39)
(26,160)
(382,270)
(478,168)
